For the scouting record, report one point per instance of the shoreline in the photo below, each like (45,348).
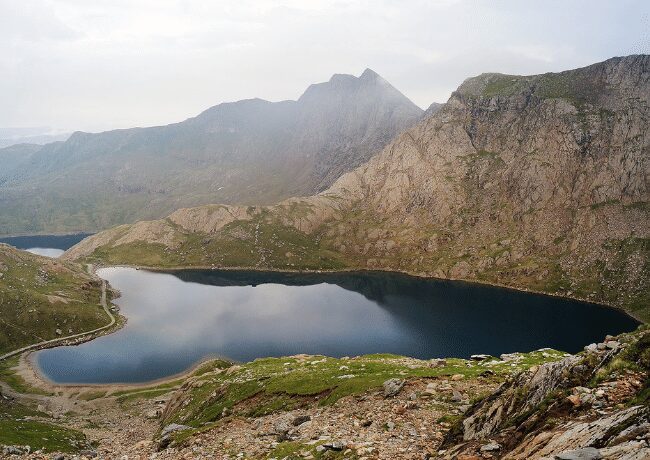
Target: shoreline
(362,270)
(29,369)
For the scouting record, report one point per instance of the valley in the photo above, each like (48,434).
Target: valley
(358,310)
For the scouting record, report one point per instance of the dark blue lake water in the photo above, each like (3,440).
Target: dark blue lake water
(45,245)
(176,319)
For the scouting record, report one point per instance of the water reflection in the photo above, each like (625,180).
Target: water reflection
(175,319)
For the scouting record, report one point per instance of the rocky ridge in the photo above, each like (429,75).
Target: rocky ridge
(538,182)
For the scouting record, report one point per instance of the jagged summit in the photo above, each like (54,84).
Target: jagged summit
(369,80)
(369,74)
(247,152)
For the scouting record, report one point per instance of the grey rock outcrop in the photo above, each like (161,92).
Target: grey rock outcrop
(392,387)
(550,413)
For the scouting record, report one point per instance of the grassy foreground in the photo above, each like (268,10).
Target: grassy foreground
(218,390)
(22,426)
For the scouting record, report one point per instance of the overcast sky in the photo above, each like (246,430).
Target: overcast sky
(93,65)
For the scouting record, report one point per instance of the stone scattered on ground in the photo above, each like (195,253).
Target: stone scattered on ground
(392,387)
(407,419)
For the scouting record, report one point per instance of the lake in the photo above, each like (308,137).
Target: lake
(45,245)
(175,319)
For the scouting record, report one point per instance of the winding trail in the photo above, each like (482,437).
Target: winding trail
(74,336)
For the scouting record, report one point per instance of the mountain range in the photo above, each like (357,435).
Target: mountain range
(535,182)
(247,152)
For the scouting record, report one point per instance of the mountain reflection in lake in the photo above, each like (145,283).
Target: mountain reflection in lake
(175,319)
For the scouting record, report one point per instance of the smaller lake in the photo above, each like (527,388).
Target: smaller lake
(45,245)
(176,319)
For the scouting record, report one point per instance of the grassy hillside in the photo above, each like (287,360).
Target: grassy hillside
(219,390)
(23,426)
(39,296)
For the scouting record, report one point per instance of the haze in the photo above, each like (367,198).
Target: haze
(73,65)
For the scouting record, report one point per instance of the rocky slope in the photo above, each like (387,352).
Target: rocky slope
(538,182)
(539,405)
(593,405)
(251,151)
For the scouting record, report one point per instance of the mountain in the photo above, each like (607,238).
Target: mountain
(535,182)
(246,152)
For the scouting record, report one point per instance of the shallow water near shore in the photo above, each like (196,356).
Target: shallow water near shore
(177,318)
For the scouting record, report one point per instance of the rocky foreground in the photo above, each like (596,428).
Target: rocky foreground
(544,404)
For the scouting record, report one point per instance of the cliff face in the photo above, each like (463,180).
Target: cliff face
(537,182)
(251,151)
(592,405)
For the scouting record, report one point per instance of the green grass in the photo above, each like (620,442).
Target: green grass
(93,394)
(39,295)
(128,396)
(15,381)
(163,386)
(143,394)
(296,451)
(574,86)
(275,384)
(502,85)
(262,242)
(634,358)
(641,205)
(602,204)
(18,427)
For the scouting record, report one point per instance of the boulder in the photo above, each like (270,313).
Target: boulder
(437,362)
(300,419)
(392,387)
(480,357)
(15,450)
(586,453)
(336,446)
(173,427)
(491,447)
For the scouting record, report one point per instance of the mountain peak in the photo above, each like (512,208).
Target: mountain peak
(369,74)
(346,84)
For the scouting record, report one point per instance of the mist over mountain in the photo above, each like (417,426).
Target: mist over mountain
(246,152)
(36,135)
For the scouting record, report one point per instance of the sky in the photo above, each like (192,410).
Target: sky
(96,65)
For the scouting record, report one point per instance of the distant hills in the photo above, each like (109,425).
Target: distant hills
(246,152)
(36,135)
(537,182)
